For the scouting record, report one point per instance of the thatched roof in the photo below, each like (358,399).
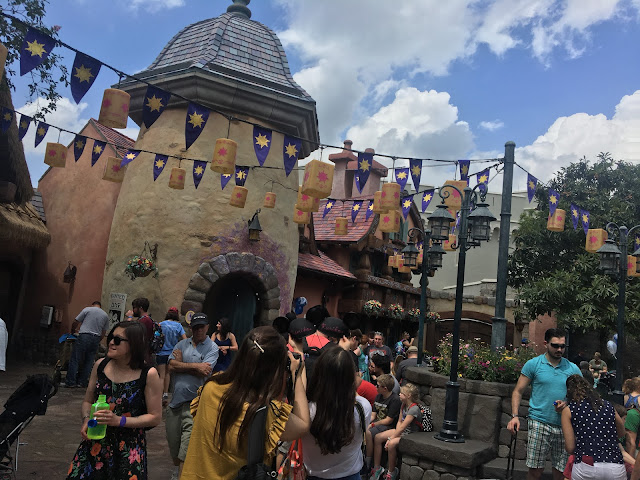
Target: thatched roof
(21,224)
(13,166)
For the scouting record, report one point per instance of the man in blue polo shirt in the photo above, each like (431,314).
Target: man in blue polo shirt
(547,374)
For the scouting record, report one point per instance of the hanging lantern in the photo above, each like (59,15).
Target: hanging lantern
(377,203)
(3,58)
(420,258)
(176,180)
(224,156)
(453,212)
(390,197)
(631,266)
(401,266)
(454,200)
(55,155)
(115,108)
(450,243)
(238,196)
(595,239)
(390,221)
(269,200)
(555,222)
(341,226)
(301,217)
(306,203)
(392,262)
(318,179)
(112,170)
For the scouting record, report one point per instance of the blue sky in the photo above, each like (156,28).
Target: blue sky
(426,79)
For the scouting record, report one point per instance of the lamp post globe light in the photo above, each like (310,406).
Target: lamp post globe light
(475,220)
(613,262)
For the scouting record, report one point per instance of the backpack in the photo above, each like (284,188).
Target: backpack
(157,341)
(426,425)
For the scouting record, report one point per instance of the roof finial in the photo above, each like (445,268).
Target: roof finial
(239,7)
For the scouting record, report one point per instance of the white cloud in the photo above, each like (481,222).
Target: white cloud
(154,5)
(570,138)
(492,126)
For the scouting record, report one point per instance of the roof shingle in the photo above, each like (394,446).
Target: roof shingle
(121,142)
(324,227)
(322,264)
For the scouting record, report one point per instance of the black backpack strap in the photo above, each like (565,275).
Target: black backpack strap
(255,450)
(364,430)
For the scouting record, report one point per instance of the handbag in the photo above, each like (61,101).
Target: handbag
(292,467)
(255,469)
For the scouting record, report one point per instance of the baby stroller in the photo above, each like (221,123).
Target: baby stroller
(67,340)
(30,399)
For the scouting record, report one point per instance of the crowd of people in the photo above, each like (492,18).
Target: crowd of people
(304,393)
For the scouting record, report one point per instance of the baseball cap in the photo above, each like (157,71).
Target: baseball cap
(199,319)
(300,328)
(173,310)
(524,340)
(334,327)
(412,349)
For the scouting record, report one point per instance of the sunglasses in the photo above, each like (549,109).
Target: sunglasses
(377,333)
(116,340)
(558,345)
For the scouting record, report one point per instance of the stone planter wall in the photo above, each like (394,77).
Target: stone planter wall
(483,412)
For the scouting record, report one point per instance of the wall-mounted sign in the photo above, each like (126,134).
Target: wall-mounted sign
(117,307)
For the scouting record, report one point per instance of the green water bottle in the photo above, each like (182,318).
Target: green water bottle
(96,431)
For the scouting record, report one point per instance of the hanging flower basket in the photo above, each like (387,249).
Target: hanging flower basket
(396,311)
(413,314)
(373,308)
(139,266)
(433,317)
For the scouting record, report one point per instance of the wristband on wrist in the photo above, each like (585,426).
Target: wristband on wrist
(84,417)
(514,415)
(123,421)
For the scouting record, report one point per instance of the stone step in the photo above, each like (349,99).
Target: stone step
(497,469)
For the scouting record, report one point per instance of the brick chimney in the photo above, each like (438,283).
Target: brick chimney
(342,187)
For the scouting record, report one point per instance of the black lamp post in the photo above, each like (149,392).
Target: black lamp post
(475,220)
(431,260)
(613,262)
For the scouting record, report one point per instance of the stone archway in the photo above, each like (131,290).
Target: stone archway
(211,271)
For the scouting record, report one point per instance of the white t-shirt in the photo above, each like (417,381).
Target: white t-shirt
(4,341)
(336,465)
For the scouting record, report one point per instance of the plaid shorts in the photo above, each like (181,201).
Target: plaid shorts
(542,439)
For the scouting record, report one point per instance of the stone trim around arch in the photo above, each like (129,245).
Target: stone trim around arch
(211,271)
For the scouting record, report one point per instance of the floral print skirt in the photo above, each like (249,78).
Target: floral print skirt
(120,455)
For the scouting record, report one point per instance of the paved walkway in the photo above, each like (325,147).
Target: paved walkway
(51,440)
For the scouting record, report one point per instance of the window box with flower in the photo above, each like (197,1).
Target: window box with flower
(395,311)
(373,308)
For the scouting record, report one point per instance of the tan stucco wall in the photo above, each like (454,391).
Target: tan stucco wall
(192,226)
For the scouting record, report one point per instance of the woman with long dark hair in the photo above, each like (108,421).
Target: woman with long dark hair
(224,411)
(226,342)
(333,447)
(134,392)
(591,428)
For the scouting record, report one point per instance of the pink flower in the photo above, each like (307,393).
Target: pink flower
(99,465)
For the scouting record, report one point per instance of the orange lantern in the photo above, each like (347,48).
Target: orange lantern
(3,58)
(176,180)
(55,155)
(390,221)
(113,172)
(631,266)
(341,226)
(595,239)
(301,217)
(454,200)
(377,203)
(115,108)
(238,196)
(392,261)
(318,179)
(450,243)
(555,222)
(401,267)
(390,197)
(420,257)
(224,156)
(269,200)
(306,203)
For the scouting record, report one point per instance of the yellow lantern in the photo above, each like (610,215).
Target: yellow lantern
(176,180)
(113,172)
(3,58)
(450,243)
(390,197)
(631,266)
(390,221)
(454,200)
(555,222)
(318,179)
(401,267)
(393,261)
(269,200)
(55,155)
(341,226)
(595,239)
(238,196)
(301,217)
(115,108)
(224,156)
(377,203)
(420,257)
(306,203)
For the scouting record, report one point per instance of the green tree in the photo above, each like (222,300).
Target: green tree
(552,270)
(44,78)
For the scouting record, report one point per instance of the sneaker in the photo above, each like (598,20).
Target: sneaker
(66,385)
(165,399)
(174,476)
(377,474)
(392,475)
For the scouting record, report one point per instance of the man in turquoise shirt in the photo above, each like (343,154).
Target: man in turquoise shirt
(547,374)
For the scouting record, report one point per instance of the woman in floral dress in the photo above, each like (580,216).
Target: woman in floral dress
(134,392)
